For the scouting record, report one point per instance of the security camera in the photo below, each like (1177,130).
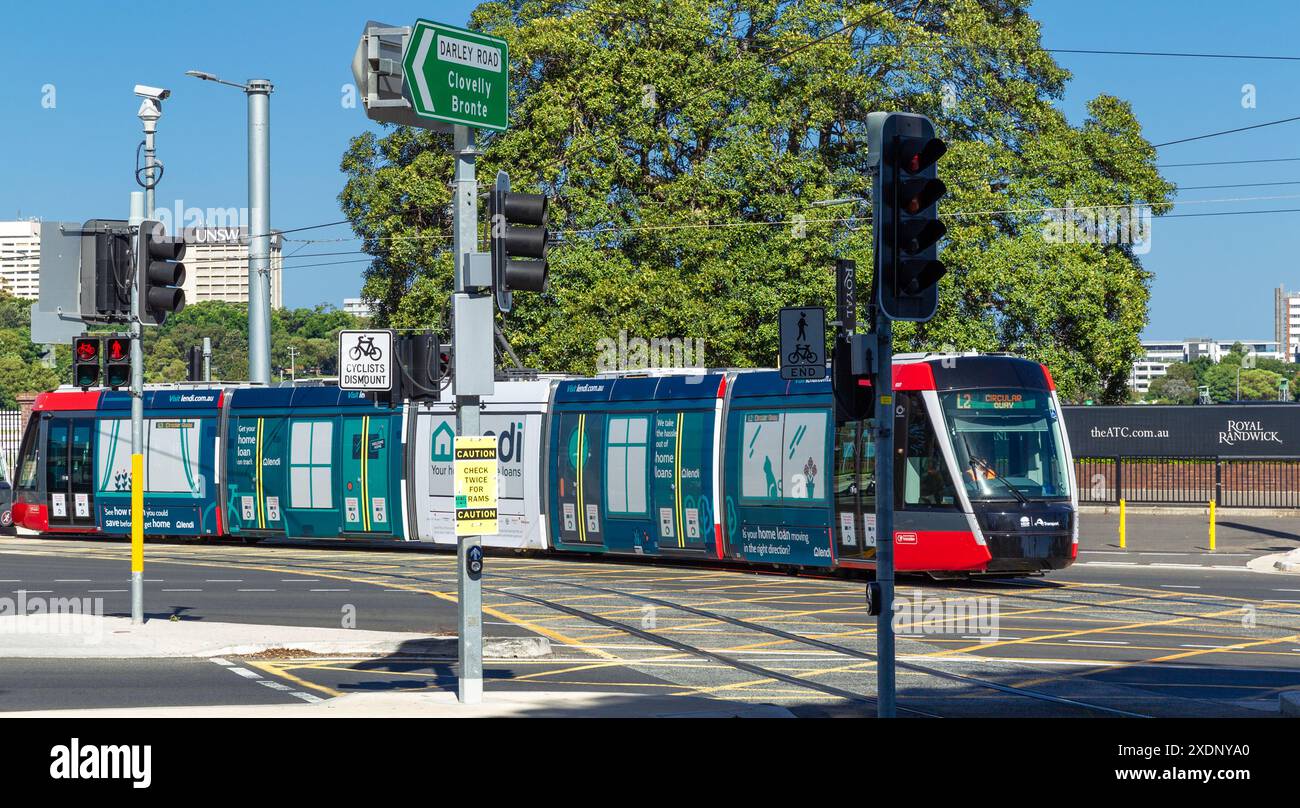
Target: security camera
(156,93)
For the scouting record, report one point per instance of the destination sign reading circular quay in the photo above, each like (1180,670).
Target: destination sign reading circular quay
(458,76)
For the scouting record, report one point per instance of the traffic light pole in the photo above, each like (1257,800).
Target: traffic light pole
(885,684)
(137,432)
(469,591)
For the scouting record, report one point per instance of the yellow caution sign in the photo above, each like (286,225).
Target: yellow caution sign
(475,466)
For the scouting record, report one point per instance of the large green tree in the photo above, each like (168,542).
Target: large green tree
(687,144)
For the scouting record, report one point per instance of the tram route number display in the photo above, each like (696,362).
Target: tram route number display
(474,465)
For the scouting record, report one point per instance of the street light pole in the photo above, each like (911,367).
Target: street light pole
(259,221)
(259,226)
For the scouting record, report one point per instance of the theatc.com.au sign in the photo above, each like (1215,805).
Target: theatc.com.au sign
(1226,430)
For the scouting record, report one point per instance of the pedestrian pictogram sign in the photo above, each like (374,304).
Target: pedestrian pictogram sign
(458,76)
(475,467)
(803,343)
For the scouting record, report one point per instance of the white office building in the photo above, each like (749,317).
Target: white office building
(1286,319)
(357,307)
(1158,355)
(20,258)
(216,263)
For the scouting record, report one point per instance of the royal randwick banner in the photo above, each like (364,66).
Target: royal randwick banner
(1215,430)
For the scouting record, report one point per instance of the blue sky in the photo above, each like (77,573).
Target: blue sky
(1214,275)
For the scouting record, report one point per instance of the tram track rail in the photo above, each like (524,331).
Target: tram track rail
(829,646)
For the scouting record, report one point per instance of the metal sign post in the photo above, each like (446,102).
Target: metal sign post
(137,431)
(451,77)
(475,377)
(885,684)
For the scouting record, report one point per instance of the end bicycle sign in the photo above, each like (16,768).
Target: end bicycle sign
(366,360)
(458,76)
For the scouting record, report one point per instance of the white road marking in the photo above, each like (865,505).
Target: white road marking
(223,580)
(71,580)
(1179,586)
(245,672)
(182,590)
(1193,645)
(254,590)
(218,660)
(274,685)
(331,590)
(1099,642)
(307,697)
(98,591)
(299,580)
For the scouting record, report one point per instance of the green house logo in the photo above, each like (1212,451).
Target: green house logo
(444,439)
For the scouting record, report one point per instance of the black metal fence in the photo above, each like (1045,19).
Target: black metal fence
(1229,482)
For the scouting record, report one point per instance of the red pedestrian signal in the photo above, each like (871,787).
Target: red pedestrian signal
(117,361)
(85,362)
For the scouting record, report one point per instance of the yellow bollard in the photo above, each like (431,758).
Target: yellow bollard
(1211,526)
(1123,536)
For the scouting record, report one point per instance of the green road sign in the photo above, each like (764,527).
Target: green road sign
(458,76)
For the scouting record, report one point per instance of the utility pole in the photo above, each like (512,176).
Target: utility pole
(293,377)
(259,221)
(207,359)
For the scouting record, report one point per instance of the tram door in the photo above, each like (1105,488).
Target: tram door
(367,493)
(855,490)
(70,472)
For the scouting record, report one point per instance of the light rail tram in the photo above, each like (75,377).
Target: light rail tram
(707,465)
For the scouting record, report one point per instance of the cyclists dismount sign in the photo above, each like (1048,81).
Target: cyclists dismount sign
(366,360)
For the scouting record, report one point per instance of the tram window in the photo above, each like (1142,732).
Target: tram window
(56,462)
(626,456)
(926,483)
(310,470)
(27,463)
(171,455)
(81,471)
(783,457)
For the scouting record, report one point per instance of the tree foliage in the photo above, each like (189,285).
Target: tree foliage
(686,143)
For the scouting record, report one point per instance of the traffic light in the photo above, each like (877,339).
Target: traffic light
(519,240)
(194,363)
(445,358)
(106,269)
(159,271)
(421,356)
(905,214)
(117,362)
(85,362)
